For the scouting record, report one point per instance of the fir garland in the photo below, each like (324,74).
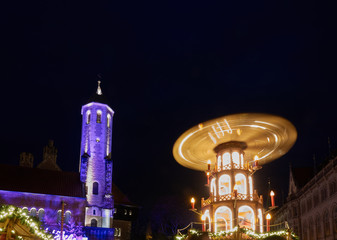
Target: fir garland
(16,213)
(245,234)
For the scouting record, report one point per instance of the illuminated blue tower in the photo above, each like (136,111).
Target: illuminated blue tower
(95,163)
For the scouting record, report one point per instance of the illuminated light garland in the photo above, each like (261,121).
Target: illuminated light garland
(11,212)
(250,234)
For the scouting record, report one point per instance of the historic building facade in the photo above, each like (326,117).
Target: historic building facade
(311,207)
(83,204)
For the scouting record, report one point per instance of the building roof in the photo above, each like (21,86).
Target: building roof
(119,197)
(42,181)
(34,180)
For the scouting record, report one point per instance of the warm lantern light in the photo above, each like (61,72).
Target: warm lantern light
(203,217)
(268,217)
(272,194)
(207,178)
(192,202)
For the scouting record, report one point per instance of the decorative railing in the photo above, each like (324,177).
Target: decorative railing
(233,166)
(229,197)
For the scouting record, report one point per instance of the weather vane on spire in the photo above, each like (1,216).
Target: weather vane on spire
(99,90)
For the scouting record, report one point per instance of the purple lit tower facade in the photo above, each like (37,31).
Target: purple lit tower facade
(95,162)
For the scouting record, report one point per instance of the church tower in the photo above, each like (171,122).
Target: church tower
(95,162)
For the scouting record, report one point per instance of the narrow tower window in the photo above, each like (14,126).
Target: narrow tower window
(108,120)
(88,116)
(99,116)
(95,188)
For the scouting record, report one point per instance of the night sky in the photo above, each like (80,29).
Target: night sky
(165,67)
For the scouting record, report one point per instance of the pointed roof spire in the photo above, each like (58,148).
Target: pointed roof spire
(99,90)
(98,95)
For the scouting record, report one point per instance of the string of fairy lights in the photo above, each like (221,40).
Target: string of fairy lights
(16,213)
(250,233)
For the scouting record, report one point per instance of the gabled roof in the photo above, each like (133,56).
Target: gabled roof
(34,180)
(119,197)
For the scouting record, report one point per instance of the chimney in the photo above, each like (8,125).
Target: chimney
(50,152)
(26,160)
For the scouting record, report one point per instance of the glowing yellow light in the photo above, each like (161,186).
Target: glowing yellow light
(194,146)
(256,158)
(192,200)
(200,125)
(272,193)
(203,217)
(268,217)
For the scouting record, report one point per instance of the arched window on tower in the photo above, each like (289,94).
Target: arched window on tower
(99,116)
(241,184)
(95,188)
(93,222)
(88,114)
(108,121)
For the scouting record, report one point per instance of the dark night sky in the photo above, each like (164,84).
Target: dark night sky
(166,66)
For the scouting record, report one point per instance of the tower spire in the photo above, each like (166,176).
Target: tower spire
(99,90)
